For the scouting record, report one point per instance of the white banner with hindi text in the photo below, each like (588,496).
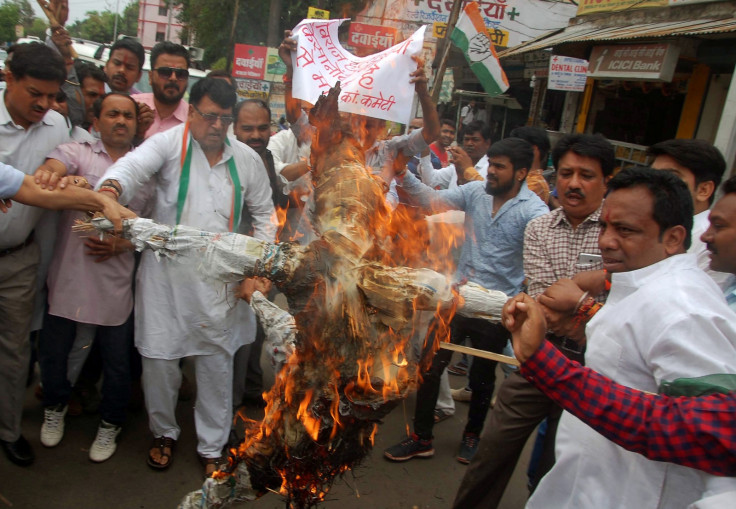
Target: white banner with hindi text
(375,86)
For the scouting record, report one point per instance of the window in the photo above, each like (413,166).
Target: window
(160,36)
(163,10)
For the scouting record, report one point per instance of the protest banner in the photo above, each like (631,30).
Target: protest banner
(376,86)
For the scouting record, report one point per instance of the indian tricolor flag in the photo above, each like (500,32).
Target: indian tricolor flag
(471,36)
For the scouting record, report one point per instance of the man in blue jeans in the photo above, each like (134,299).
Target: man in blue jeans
(496,214)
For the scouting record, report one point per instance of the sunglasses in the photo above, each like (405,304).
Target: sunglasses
(166,72)
(211,118)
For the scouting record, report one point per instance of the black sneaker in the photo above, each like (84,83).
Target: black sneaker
(468,448)
(410,448)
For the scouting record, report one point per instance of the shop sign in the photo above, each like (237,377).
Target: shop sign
(516,20)
(253,89)
(362,35)
(249,61)
(274,65)
(634,62)
(314,13)
(567,73)
(593,6)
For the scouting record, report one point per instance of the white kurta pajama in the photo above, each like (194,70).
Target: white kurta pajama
(662,322)
(179,313)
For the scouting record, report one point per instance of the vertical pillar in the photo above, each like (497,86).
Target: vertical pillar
(726,134)
(696,88)
(585,105)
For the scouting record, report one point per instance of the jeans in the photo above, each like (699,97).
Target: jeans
(481,378)
(57,338)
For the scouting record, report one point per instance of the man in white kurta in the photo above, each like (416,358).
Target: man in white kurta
(178,312)
(664,319)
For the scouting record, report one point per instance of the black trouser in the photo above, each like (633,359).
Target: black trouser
(481,378)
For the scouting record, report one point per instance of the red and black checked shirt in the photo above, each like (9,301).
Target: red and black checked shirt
(552,247)
(695,432)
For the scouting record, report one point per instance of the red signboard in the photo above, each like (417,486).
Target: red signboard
(249,61)
(362,35)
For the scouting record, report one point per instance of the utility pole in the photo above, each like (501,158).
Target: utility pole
(169,6)
(274,35)
(440,75)
(115,24)
(231,41)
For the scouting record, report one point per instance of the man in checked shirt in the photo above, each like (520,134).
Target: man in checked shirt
(553,244)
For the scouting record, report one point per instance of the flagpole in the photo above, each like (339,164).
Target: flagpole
(439,76)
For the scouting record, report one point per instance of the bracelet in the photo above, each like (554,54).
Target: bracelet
(582,298)
(607,283)
(586,311)
(110,189)
(285,79)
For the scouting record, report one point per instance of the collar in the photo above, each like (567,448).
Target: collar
(640,277)
(181,112)
(561,218)
(50,118)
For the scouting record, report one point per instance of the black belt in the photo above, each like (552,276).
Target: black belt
(13,249)
(566,345)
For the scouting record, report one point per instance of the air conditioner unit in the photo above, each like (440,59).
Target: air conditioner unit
(196,54)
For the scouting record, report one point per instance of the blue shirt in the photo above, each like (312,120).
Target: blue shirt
(492,252)
(10,181)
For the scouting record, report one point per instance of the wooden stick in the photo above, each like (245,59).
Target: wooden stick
(480,353)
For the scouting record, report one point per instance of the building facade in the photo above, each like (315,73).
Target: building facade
(158,21)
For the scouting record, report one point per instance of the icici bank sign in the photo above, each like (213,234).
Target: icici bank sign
(652,62)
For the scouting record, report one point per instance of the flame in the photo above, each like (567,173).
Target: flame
(321,414)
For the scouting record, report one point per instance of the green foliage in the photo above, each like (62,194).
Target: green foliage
(211,21)
(9,17)
(99,26)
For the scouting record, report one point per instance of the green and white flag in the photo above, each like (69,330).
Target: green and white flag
(471,36)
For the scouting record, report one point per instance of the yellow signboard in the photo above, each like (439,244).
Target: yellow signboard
(314,13)
(591,6)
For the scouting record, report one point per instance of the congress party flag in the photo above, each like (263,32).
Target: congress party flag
(471,36)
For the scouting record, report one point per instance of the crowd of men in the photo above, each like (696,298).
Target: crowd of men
(632,274)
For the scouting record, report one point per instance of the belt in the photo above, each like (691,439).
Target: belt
(565,344)
(25,243)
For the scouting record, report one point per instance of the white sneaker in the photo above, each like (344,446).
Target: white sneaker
(52,429)
(104,445)
(462,394)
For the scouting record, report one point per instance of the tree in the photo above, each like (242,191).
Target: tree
(211,20)
(9,17)
(99,26)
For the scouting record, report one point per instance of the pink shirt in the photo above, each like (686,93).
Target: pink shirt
(80,289)
(163,124)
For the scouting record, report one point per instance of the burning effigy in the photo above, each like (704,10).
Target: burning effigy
(353,305)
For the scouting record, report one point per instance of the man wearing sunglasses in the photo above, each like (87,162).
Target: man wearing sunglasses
(203,180)
(169,77)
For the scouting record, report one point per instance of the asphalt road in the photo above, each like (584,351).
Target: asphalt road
(64,477)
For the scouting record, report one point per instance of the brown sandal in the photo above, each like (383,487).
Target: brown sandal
(212,465)
(162,443)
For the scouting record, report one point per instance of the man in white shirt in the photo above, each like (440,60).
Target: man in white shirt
(472,156)
(28,131)
(203,180)
(701,166)
(664,319)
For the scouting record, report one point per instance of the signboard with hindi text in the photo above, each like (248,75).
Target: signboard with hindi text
(567,73)
(371,36)
(518,20)
(249,61)
(654,62)
(594,6)
(253,89)
(376,86)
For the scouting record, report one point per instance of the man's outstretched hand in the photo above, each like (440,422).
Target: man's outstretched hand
(523,317)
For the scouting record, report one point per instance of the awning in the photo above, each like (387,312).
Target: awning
(594,32)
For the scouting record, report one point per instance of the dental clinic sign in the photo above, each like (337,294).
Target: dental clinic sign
(567,73)
(652,62)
